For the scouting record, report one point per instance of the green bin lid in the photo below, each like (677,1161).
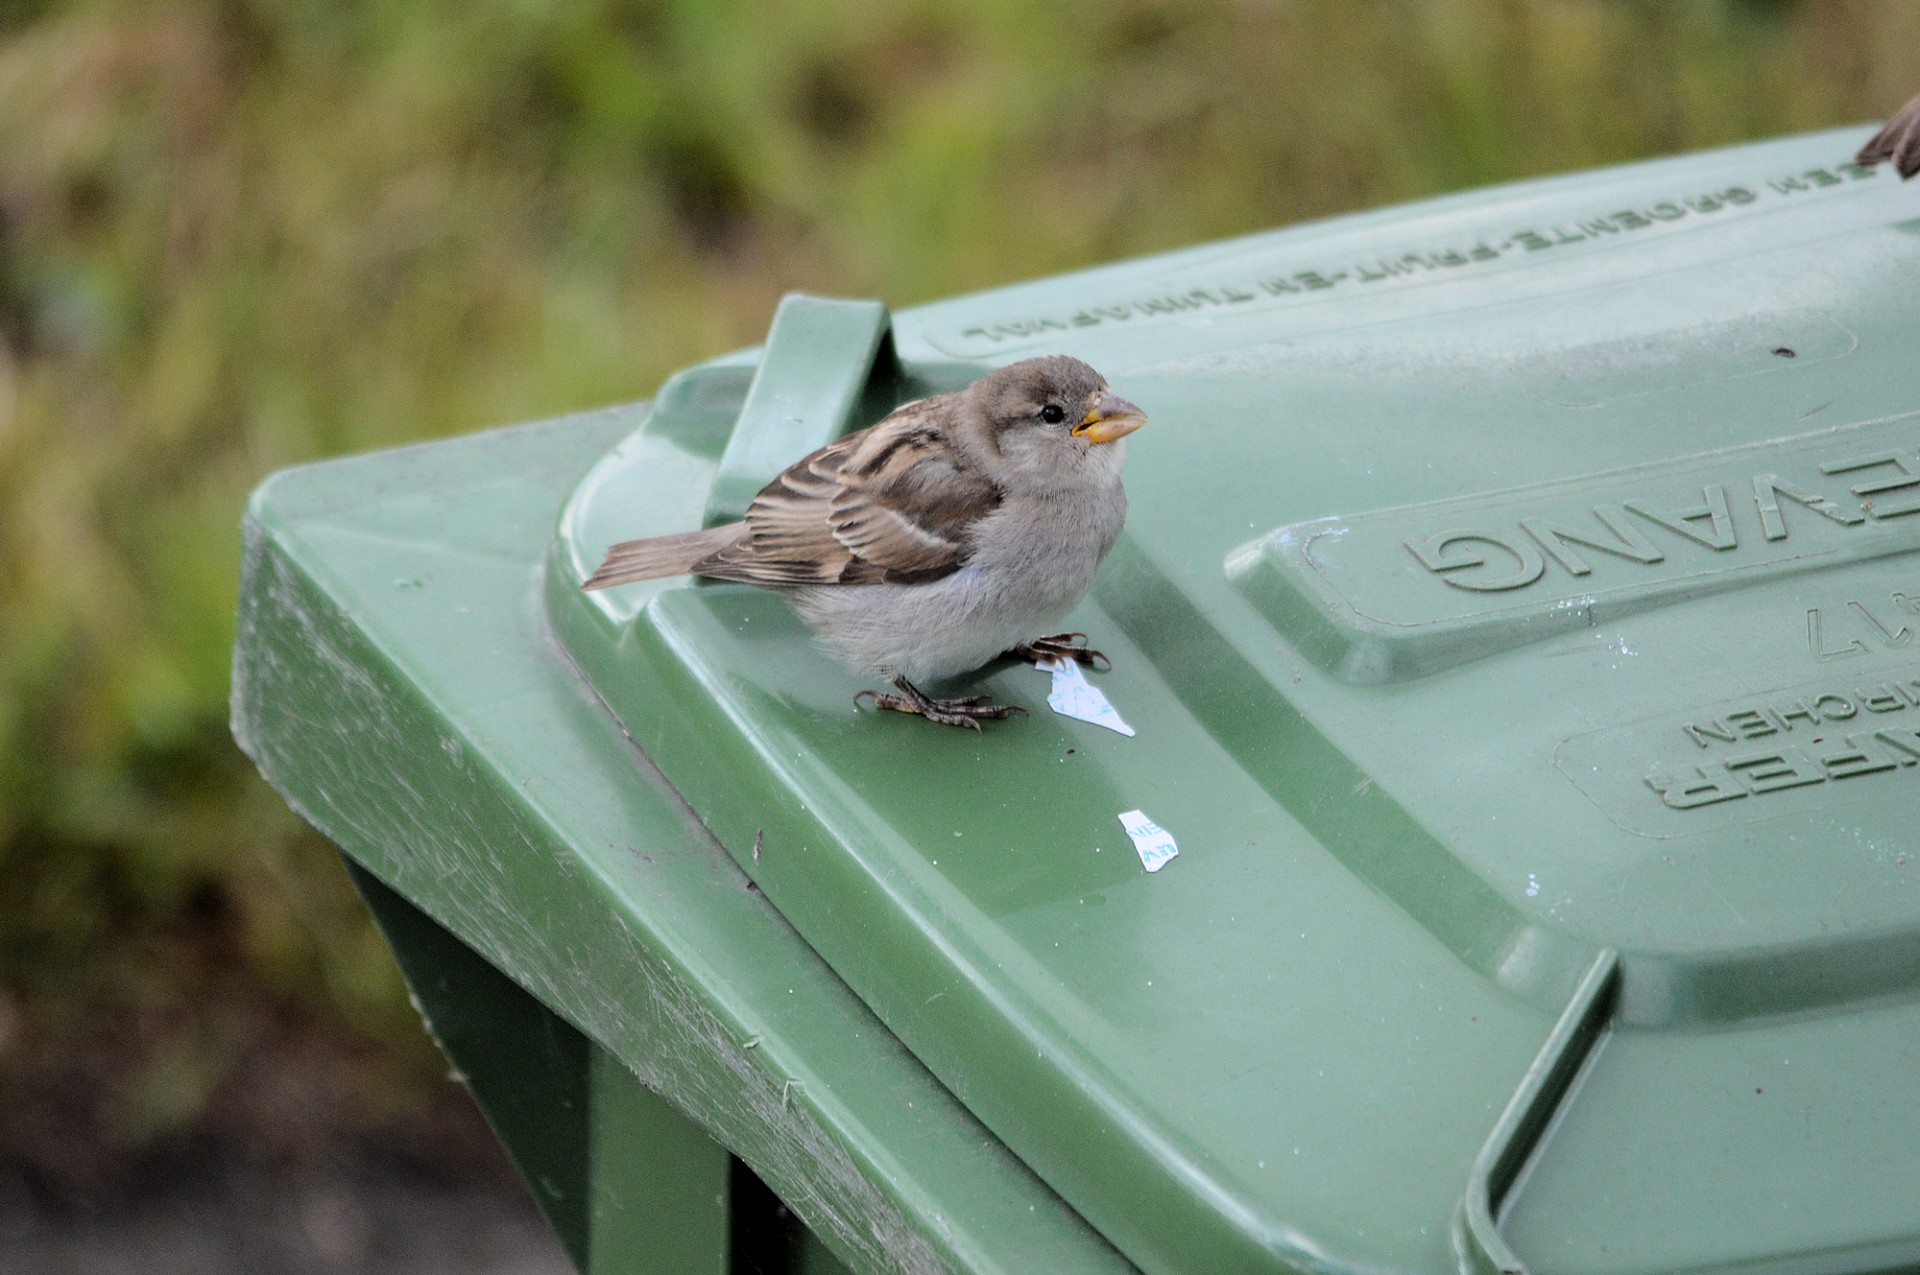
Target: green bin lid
(1516,613)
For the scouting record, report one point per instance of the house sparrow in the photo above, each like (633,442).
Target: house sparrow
(938,539)
(1899,141)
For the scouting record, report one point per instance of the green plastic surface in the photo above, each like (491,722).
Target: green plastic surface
(628,1183)
(810,385)
(1516,610)
(396,680)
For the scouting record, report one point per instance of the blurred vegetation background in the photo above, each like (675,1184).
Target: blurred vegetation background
(241,235)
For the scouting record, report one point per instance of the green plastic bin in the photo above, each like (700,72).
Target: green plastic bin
(1517,615)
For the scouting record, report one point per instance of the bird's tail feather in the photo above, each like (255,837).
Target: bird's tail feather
(1899,141)
(658,556)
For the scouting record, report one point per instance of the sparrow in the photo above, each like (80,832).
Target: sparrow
(1898,141)
(937,540)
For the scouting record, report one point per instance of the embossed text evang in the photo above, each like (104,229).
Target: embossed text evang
(1845,491)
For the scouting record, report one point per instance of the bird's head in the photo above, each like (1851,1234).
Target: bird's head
(1055,413)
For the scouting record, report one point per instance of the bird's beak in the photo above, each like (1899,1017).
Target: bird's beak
(1109,418)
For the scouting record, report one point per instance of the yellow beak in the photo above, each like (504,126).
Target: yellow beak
(1109,418)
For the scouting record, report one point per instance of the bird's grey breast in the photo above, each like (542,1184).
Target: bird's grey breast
(1044,553)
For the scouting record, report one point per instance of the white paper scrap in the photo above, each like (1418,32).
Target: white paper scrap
(1155,844)
(1074,696)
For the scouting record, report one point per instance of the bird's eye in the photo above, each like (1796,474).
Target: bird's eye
(1052,414)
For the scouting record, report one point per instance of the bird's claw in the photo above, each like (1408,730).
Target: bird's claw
(1063,646)
(968,711)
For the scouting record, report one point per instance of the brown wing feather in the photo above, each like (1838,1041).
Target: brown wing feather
(1899,141)
(891,503)
(789,540)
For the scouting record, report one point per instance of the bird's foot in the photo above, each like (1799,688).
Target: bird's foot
(1062,646)
(968,711)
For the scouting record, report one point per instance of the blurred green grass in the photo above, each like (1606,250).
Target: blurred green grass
(235,236)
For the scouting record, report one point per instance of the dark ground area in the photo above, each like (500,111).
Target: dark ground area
(282,1171)
(369,1215)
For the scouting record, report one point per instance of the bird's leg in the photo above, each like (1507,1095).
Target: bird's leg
(1062,646)
(948,712)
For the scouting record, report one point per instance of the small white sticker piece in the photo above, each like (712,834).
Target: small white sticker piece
(1155,844)
(1074,696)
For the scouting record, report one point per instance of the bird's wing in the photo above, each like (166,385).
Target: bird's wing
(893,503)
(1899,141)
